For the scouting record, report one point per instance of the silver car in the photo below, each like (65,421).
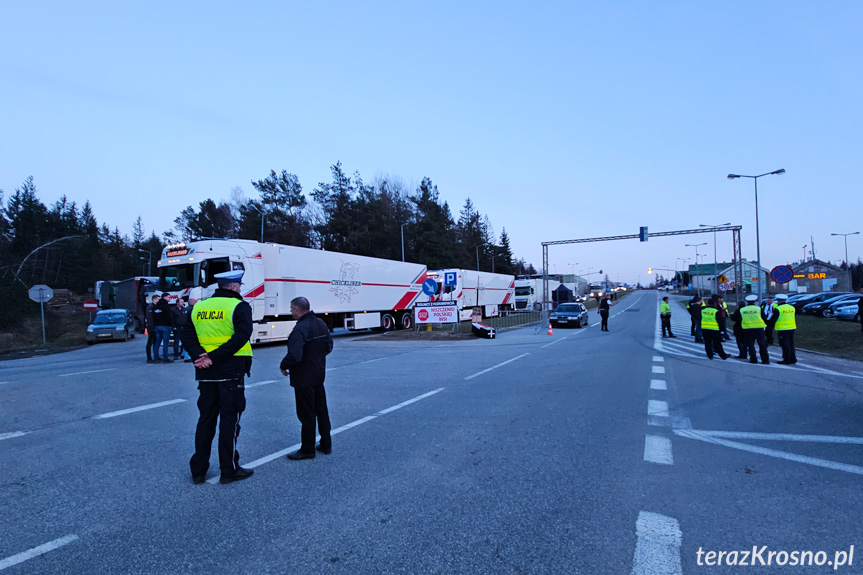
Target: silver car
(569,314)
(847,312)
(111,324)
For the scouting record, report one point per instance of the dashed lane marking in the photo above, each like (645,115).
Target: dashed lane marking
(477,374)
(658,369)
(657,449)
(137,409)
(554,342)
(256,384)
(658,384)
(86,372)
(656,407)
(36,551)
(658,358)
(657,549)
(12,434)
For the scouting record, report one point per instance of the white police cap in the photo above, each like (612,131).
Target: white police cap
(782,296)
(751,297)
(229,277)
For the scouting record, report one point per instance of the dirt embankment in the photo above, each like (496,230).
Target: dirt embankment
(65,328)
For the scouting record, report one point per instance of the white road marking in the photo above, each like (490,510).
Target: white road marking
(12,434)
(657,449)
(2,382)
(555,341)
(658,384)
(351,425)
(692,434)
(36,551)
(657,407)
(496,366)
(85,372)
(374,360)
(784,437)
(139,408)
(658,369)
(256,384)
(657,550)
(658,358)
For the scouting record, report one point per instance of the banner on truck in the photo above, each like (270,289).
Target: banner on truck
(436,312)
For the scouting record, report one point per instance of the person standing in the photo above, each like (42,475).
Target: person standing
(604,307)
(723,307)
(860,312)
(695,306)
(738,333)
(785,326)
(712,326)
(162,319)
(178,318)
(753,330)
(665,317)
(151,328)
(768,312)
(306,362)
(217,337)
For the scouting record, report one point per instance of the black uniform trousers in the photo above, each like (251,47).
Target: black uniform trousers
(224,401)
(604,315)
(786,342)
(311,406)
(151,340)
(666,325)
(741,345)
(756,335)
(768,333)
(713,343)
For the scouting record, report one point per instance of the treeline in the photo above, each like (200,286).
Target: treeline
(64,245)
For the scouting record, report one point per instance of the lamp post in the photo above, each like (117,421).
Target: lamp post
(757,235)
(149,258)
(263,213)
(492,258)
(715,271)
(403,245)
(847,265)
(804,253)
(696,258)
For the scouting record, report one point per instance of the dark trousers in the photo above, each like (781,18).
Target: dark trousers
(666,325)
(786,342)
(151,340)
(224,401)
(699,337)
(604,315)
(768,334)
(741,346)
(178,348)
(311,406)
(713,342)
(752,336)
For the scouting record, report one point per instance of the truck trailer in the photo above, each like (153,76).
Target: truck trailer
(132,294)
(493,293)
(344,290)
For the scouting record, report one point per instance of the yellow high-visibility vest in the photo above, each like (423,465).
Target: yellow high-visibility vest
(708,319)
(787,318)
(213,323)
(664,308)
(751,315)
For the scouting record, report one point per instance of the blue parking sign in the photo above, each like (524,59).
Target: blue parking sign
(449,279)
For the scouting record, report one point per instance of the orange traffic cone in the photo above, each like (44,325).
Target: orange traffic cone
(147,334)
(549,329)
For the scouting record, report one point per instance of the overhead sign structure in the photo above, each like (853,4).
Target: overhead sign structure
(436,312)
(642,233)
(782,274)
(429,286)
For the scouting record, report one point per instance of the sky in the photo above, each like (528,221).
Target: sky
(560,120)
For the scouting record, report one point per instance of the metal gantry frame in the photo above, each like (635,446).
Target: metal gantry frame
(737,257)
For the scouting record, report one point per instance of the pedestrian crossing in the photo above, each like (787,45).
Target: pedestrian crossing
(684,346)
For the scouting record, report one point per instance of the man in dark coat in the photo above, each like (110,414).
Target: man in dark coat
(151,328)
(308,346)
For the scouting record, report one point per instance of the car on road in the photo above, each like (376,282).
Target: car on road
(111,324)
(569,314)
(819,308)
(847,312)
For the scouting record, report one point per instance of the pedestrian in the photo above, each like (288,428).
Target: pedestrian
(738,332)
(604,307)
(306,361)
(217,337)
(665,317)
(724,308)
(178,318)
(162,319)
(195,295)
(768,311)
(151,327)
(786,325)
(753,330)
(712,325)
(695,306)
(860,312)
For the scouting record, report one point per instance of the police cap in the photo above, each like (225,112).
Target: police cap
(229,277)
(751,298)
(782,296)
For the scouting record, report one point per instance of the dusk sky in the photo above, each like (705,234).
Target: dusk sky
(559,120)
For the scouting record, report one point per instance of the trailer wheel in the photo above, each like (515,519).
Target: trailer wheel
(406,320)
(388,322)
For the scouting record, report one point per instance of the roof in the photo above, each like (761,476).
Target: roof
(707,269)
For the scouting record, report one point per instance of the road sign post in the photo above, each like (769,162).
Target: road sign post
(40,294)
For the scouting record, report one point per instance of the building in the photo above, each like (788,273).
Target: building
(701,276)
(814,276)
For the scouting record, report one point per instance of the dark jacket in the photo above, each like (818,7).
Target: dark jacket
(225,364)
(178,316)
(162,313)
(737,318)
(151,322)
(308,346)
(860,309)
(695,311)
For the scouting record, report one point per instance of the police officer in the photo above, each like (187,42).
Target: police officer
(753,329)
(217,338)
(712,326)
(768,312)
(695,307)
(786,325)
(665,317)
(738,333)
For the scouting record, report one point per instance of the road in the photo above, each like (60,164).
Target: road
(580,452)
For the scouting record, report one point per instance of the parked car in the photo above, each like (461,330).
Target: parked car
(830,311)
(818,308)
(804,299)
(847,312)
(567,314)
(111,324)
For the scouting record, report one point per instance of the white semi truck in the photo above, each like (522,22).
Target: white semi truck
(354,292)
(494,293)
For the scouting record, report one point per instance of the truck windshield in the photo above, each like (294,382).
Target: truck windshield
(177,277)
(524,290)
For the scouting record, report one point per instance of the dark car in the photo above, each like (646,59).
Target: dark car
(111,324)
(817,308)
(805,299)
(569,314)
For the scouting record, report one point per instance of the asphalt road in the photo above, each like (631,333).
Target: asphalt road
(581,452)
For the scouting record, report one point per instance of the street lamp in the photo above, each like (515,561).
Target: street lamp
(847,265)
(804,253)
(715,272)
(149,258)
(572,270)
(757,236)
(492,257)
(403,244)
(696,258)
(264,213)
